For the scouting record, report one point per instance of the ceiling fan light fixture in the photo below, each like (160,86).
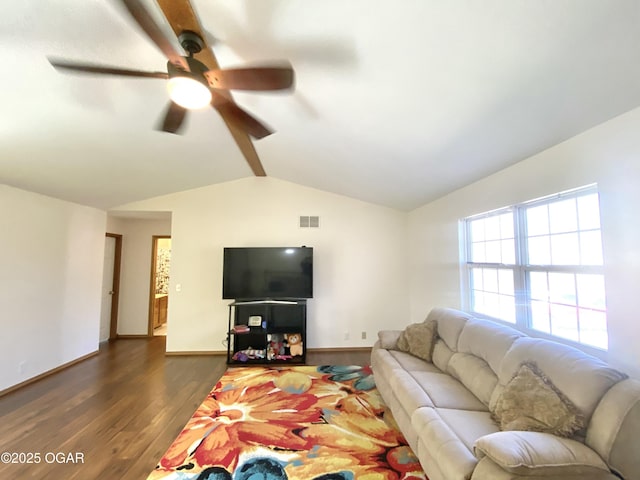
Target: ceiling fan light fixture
(189,89)
(188,92)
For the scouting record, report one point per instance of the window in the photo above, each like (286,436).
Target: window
(539,265)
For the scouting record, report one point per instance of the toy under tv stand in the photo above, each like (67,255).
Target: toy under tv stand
(267,331)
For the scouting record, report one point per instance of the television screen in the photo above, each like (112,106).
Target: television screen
(261,273)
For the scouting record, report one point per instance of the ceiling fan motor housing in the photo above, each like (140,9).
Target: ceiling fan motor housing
(191,42)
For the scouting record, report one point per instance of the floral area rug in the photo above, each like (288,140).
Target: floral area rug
(293,423)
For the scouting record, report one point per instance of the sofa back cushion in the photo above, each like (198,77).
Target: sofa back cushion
(441,355)
(487,340)
(481,347)
(583,379)
(475,374)
(450,324)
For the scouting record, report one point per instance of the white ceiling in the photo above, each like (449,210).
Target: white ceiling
(396,103)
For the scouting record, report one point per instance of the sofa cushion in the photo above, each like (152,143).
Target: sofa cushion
(409,392)
(540,454)
(531,402)
(447,392)
(452,457)
(487,469)
(383,363)
(412,364)
(583,379)
(468,425)
(613,430)
(441,355)
(487,340)
(418,339)
(475,374)
(450,324)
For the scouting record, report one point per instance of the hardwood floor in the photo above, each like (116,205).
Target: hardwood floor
(115,414)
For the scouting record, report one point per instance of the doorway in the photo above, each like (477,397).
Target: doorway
(159,291)
(110,287)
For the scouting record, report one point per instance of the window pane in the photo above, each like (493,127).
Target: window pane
(506,225)
(565,249)
(538,285)
(537,220)
(478,302)
(539,251)
(508,252)
(487,304)
(492,304)
(507,308)
(591,291)
(593,328)
(591,248)
(563,216)
(493,252)
(562,288)
(492,228)
(540,316)
(477,230)
(477,252)
(505,281)
(490,278)
(589,212)
(564,322)
(476,278)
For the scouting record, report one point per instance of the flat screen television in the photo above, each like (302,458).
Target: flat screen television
(267,273)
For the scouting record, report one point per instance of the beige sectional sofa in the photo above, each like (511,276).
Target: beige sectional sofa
(447,407)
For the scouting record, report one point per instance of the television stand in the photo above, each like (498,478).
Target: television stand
(267,332)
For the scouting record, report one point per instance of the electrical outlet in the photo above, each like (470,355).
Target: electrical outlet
(364,335)
(22,367)
(346,335)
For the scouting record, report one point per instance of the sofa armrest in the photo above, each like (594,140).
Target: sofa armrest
(389,339)
(540,454)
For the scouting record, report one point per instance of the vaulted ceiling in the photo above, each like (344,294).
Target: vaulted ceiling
(396,103)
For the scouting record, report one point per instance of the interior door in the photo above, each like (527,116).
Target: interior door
(110,286)
(107,288)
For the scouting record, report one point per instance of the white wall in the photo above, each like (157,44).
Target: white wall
(51,256)
(608,155)
(360,279)
(135,270)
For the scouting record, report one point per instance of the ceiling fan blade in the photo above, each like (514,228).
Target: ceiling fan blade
(153,31)
(173,118)
(103,69)
(232,113)
(246,147)
(251,78)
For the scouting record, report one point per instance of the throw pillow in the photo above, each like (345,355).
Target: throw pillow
(418,339)
(531,402)
(389,339)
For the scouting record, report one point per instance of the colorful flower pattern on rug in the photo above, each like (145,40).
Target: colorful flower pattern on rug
(291,423)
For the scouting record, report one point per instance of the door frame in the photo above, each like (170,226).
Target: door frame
(152,280)
(115,287)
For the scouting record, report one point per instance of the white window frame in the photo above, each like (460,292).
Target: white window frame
(523,318)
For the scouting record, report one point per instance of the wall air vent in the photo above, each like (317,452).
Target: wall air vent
(309,221)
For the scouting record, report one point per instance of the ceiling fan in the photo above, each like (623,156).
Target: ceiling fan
(195,80)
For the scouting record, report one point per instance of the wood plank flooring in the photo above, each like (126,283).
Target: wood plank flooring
(115,413)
